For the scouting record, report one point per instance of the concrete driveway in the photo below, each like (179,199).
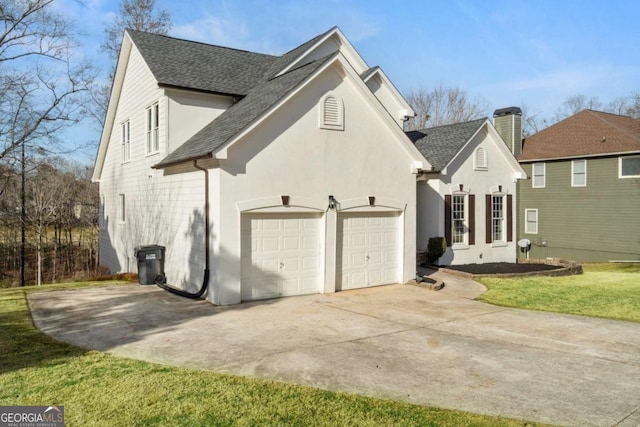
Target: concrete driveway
(400,342)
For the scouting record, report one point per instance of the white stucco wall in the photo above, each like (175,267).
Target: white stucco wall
(478,182)
(289,154)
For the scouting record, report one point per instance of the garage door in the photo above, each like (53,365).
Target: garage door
(368,250)
(280,255)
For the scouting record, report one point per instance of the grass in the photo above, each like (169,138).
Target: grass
(608,290)
(100,389)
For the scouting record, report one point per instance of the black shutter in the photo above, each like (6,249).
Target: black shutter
(472,219)
(509,217)
(447,219)
(487,225)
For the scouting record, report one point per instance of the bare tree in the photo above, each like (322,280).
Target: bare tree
(40,87)
(140,15)
(576,103)
(443,105)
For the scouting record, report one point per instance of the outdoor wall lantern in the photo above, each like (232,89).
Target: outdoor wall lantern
(332,202)
(285,200)
(372,200)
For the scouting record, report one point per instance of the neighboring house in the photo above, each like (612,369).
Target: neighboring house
(583,200)
(277,175)
(468,196)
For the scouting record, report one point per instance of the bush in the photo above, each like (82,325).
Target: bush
(435,249)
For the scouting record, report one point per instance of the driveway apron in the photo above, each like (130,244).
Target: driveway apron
(400,342)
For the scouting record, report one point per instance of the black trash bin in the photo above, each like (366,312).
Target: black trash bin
(150,263)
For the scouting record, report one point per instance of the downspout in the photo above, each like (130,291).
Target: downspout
(205,280)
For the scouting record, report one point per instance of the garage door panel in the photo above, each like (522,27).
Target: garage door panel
(368,250)
(280,255)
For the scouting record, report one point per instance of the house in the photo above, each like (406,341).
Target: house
(583,198)
(263,176)
(468,196)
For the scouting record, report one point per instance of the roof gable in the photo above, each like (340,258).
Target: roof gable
(587,133)
(240,115)
(440,144)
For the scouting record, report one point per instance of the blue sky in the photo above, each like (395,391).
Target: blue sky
(534,54)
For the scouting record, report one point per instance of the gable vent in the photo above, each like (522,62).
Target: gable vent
(332,113)
(481,159)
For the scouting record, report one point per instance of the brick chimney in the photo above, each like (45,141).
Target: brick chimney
(508,123)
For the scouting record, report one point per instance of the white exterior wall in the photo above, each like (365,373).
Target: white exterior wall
(386,96)
(197,110)
(164,210)
(461,171)
(288,154)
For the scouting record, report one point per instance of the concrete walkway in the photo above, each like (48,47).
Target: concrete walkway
(400,342)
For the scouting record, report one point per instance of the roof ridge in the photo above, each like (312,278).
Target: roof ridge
(199,42)
(324,58)
(452,124)
(615,125)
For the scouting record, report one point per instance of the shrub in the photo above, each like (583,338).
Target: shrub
(435,249)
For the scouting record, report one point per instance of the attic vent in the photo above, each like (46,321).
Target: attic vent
(480,159)
(332,113)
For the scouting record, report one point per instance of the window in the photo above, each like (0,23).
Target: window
(578,173)
(457,218)
(480,159)
(126,142)
(538,180)
(153,137)
(531,221)
(122,214)
(629,167)
(332,113)
(497,218)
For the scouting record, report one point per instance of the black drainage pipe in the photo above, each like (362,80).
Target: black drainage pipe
(160,279)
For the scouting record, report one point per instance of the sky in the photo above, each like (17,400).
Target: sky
(532,54)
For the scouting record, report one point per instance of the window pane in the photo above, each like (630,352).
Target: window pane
(531,225)
(630,166)
(538,175)
(457,213)
(579,166)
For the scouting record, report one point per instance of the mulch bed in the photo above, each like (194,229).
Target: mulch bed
(501,268)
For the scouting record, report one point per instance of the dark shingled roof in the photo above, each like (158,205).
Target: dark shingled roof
(199,66)
(241,114)
(281,62)
(582,135)
(439,145)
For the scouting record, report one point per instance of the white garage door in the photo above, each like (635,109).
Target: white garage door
(280,255)
(368,250)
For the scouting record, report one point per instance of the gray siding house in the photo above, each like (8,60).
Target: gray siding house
(582,198)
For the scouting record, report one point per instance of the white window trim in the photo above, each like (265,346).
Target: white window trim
(526,222)
(126,142)
(339,122)
(122,206)
(544,175)
(503,241)
(620,167)
(476,165)
(573,183)
(465,222)
(152,133)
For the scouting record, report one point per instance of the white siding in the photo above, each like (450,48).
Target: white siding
(164,210)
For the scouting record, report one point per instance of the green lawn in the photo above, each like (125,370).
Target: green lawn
(99,389)
(604,290)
